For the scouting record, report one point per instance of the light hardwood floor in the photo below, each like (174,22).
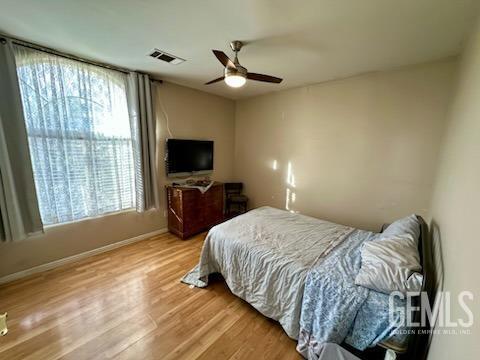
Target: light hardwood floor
(129,304)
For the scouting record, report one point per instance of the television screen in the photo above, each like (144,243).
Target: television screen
(186,157)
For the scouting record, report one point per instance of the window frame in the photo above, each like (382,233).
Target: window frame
(104,74)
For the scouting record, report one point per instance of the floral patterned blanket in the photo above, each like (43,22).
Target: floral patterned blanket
(334,309)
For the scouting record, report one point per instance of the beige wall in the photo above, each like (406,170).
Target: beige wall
(362,151)
(455,206)
(192,114)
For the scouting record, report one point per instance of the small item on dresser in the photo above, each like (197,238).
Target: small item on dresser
(201,185)
(198,182)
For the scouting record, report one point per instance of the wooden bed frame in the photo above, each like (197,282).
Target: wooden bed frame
(418,343)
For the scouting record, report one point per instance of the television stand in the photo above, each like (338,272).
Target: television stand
(190,211)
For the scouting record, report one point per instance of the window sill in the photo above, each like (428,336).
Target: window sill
(125,211)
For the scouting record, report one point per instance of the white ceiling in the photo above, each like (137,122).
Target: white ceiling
(303,41)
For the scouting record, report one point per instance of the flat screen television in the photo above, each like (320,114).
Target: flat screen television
(189,157)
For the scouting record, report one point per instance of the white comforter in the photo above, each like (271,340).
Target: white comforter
(264,256)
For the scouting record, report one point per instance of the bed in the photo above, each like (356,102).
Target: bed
(299,271)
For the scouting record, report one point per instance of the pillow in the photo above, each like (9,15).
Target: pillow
(391,264)
(406,226)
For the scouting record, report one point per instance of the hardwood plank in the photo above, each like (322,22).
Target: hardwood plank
(128,303)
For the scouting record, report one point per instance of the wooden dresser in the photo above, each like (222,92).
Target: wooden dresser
(191,212)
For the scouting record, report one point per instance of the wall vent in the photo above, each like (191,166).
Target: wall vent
(164,56)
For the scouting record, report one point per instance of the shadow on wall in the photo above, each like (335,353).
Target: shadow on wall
(438,270)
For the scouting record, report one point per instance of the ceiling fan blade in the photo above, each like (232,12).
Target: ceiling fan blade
(265,78)
(223,58)
(216,80)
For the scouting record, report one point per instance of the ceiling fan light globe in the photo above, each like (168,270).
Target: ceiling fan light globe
(235,81)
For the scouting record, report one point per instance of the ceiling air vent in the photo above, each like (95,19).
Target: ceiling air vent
(164,56)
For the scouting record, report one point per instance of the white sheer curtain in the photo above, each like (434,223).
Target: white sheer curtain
(79,136)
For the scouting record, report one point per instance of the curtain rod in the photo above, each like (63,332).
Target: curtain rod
(47,50)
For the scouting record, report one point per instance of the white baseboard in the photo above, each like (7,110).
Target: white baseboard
(77,257)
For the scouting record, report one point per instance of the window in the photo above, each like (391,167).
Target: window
(79,136)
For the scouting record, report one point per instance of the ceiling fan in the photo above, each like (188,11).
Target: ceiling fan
(235,74)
